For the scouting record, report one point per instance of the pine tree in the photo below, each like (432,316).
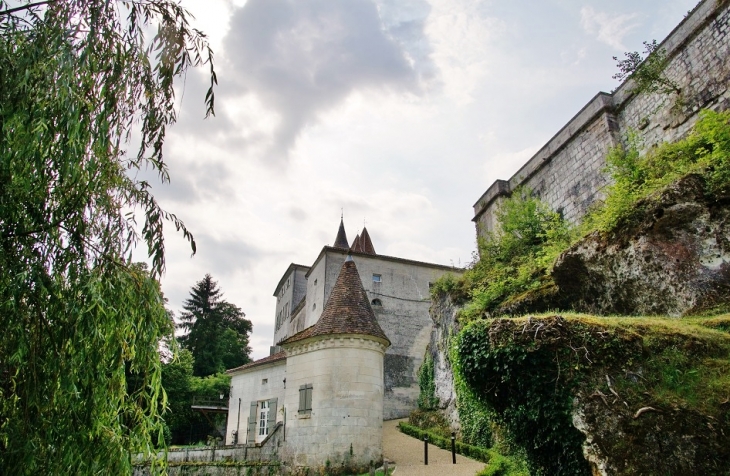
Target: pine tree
(217,331)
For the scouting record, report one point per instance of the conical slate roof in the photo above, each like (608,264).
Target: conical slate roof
(356,243)
(347,310)
(341,240)
(365,244)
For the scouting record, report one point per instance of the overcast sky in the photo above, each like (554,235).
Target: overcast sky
(400,112)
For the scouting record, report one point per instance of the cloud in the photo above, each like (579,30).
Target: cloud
(462,34)
(300,58)
(609,29)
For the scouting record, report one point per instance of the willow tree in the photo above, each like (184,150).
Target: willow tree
(78,79)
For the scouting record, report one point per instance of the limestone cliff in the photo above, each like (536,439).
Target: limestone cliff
(672,258)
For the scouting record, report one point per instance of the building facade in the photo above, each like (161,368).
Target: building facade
(351,334)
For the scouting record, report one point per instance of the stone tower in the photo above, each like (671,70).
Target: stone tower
(334,388)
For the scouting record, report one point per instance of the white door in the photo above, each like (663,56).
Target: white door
(262,427)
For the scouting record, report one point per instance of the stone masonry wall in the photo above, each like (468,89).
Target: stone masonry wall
(567,172)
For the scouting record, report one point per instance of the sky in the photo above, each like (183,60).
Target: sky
(397,113)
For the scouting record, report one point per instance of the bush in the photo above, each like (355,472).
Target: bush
(706,151)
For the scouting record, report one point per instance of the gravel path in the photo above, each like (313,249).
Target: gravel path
(407,454)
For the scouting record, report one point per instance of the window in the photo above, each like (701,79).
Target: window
(377,278)
(305,398)
(264,418)
(264,381)
(314,306)
(315,282)
(376,302)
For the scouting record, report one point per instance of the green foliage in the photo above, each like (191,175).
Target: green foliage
(182,387)
(217,330)
(706,151)
(477,421)
(648,72)
(516,258)
(446,284)
(427,397)
(528,371)
(80,371)
(430,420)
(519,383)
(500,465)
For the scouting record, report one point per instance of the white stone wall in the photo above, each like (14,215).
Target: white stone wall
(248,387)
(346,374)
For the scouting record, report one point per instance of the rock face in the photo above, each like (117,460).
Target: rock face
(665,441)
(673,258)
(443,313)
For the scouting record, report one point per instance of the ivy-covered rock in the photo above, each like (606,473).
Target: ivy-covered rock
(611,396)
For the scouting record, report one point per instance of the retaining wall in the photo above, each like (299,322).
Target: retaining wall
(567,173)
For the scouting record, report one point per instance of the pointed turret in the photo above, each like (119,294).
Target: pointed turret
(365,244)
(355,243)
(347,310)
(341,240)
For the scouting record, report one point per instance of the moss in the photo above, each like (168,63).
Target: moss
(532,372)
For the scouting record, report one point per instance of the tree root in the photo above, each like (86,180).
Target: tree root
(644,410)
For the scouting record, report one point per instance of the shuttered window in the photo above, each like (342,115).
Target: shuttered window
(305,398)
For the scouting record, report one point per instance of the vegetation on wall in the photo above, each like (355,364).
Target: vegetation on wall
(648,72)
(427,397)
(705,151)
(514,259)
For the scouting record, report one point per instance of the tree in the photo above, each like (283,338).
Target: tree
(647,71)
(188,426)
(217,331)
(78,79)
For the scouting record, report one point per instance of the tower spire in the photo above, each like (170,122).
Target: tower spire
(341,239)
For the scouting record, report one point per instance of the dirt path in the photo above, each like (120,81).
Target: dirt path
(407,454)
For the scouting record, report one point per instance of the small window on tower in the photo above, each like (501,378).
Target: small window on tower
(377,278)
(315,282)
(264,381)
(314,306)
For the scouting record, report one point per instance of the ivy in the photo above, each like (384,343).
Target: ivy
(427,397)
(519,384)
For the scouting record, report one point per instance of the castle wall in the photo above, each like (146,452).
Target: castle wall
(567,172)
(346,375)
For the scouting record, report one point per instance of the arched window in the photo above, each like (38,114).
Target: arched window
(376,302)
